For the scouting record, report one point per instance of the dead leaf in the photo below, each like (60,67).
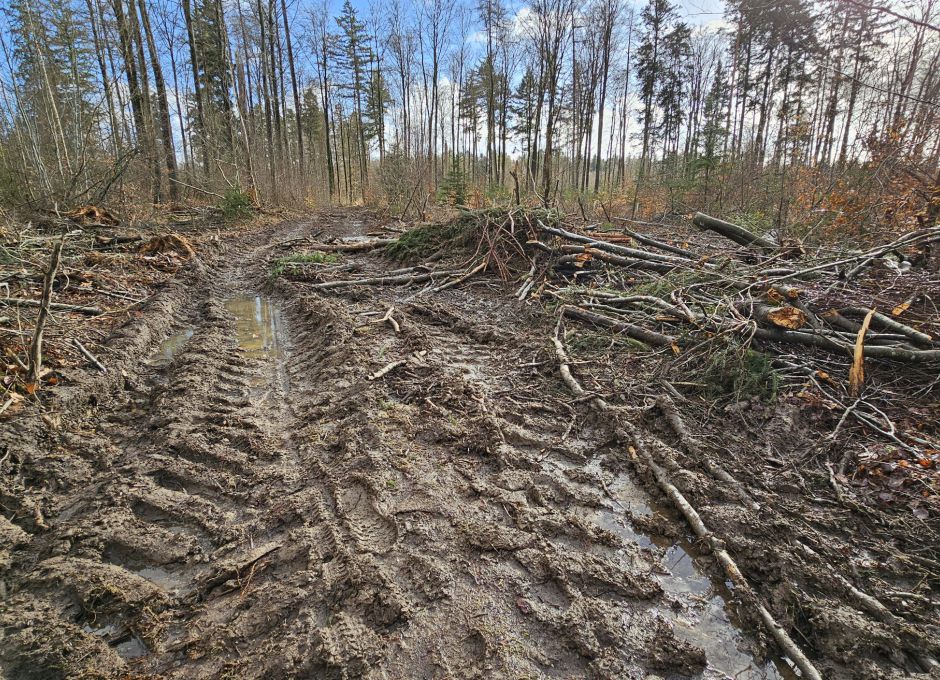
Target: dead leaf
(857,372)
(787,317)
(901,308)
(675,349)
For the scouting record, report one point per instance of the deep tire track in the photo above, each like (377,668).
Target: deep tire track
(278,515)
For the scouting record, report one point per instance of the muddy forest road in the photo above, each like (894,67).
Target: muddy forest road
(242,497)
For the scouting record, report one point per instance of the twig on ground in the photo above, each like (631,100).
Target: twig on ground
(35,347)
(88,355)
(388,368)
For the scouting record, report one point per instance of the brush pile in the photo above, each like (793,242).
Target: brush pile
(813,315)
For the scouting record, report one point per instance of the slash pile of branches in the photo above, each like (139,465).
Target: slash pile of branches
(819,313)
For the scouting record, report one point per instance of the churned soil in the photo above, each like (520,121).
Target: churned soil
(275,482)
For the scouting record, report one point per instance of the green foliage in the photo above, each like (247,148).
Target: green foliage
(753,220)
(427,239)
(594,342)
(453,190)
(741,372)
(662,286)
(235,204)
(284,264)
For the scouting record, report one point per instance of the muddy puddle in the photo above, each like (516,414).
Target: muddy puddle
(259,326)
(170,347)
(127,645)
(706,620)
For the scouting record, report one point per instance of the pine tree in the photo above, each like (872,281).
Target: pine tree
(714,129)
(355,56)
(453,189)
(378,102)
(656,19)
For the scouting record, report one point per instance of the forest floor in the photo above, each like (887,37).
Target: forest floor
(274,482)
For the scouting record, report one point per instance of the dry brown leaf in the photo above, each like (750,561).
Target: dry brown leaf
(857,372)
(901,308)
(787,317)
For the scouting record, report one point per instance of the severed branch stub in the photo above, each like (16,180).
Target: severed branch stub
(391,320)
(734,574)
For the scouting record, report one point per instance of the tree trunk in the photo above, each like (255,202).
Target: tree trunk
(166,131)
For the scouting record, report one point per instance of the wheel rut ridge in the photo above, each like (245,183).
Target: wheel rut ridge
(137,555)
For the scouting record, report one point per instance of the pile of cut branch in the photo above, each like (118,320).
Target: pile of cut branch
(818,314)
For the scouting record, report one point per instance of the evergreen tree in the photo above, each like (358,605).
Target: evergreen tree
(656,19)
(378,102)
(355,55)
(453,189)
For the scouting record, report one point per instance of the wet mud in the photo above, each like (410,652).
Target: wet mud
(238,499)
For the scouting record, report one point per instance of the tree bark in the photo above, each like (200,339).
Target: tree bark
(738,234)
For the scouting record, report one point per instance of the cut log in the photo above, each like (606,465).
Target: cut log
(736,233)
(615,248)
(628,329)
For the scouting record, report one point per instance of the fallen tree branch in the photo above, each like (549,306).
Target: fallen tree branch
(734,574)
(35,347)
(391,320)
(387,280)
(691,446)
(57,306)
(653,243)
(88,355)
(615,248)
(455,282)
(889,323)
(824,342)
(628,329)
(358,246)
(388,368)
(611,258)
(738,234)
